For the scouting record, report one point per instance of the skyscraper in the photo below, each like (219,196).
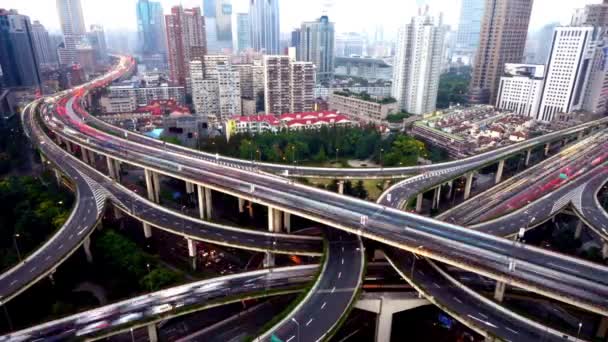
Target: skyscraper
(243,28)
(42,44)
(317,40)
(502,40)
(418,64)
(97,39)
(288,85)
(264,17)
(72,26)
(185,39)
(209,8)
(469,26)
(18,59)
(302,85)
(150,27)
(594,15)
(218,20)
(567,72)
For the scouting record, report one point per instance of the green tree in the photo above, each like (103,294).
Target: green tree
(360,191)
(159,278)
(321,157)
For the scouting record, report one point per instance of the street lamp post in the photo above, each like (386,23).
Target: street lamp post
(149,280)
(183,220)
(578,333)
(337,151)
(8,317)
(15,236)
(381,151)
(298,324)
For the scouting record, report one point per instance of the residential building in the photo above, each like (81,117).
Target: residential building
(146,95)
(350,44)
(469,26)
(302,85)
(362,67)
(264,17)
(593,15)
(18,60)
(243,31)
(502,40)
(211,63)
(277,82)
(150,30)
(72,26)
(186,41)
(417,64)
(229,91)
(364,109)
(376,92)
(256,124)
(521,88)
(117,104)
(216,88)
(317,40)
(568,71)
(42,44)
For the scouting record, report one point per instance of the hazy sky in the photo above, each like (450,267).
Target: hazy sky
(349,15)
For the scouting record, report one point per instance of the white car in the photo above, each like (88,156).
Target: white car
(158,309)
(127,318)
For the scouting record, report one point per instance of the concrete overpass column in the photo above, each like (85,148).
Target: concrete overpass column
(419,200)
(451,189)
(110,165)
(152,334)
(268,260)
(602,329)
(57,176)
(499,291)
(85,155)
(92,158)
(547,147)
(580,136)
(384,323)
(274,220)
(501,168)
(468,185)
(149,184)
(87,249)
(341,187)
(528,155)
(605,250)
(436,194)
(192,252)
(189,188)
(117,169)
(241,205)
(287,222)
(201,202)
(147,230)
(68,146)
(208,204)
(156,181)
(579,230)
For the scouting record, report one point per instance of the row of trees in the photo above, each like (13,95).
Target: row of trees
(33,208)
(319,147)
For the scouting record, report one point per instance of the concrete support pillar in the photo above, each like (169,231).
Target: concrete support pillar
(581,134)
(152,334)
(451,189)
(384,323)
(208,204)
(117,213)
(501,168)
(268,260)
(192,252)
(579,230)
(250,209)
(87,249)
(341,187)
(287,222)
(241,205)
(117,169)
(547,147)
(147,231)
(602,328)
(468,185)
(156,181)
(499,291)
(92,158)
(436,194)
(149,185)
(201,202)
(68,146)
(85,155)
(528,155)
(274,220)
(419,200)
(57,176)
(189,188)
(605,250)
(111,170)
(564,142)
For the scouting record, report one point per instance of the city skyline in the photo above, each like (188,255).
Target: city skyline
(346,14)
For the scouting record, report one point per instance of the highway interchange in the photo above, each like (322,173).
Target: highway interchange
(585,284)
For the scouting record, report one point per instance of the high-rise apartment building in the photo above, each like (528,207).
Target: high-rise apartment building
(521,89)
(568,70)
(72,26)
(18,59)
(469,26)
(229,91)
(502,40)
(264,17)
(594,15)
(302,85)
(42,44)
(288,85)
(186,41)
(418,64)
(317,40)
(150,27)
(216,88)
(243,28)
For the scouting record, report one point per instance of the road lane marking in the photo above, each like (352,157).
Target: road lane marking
(12,283)
(309,321)
(342,261)
(339,275)
(334,289)
(513,331)
(323,306)
(458,300)
(291,338)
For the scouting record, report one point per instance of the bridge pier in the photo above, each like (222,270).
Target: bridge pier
(241,205)
(499,291)
(419,200)
(580,136)
(192,252)
(602,329)
(451,189)
(208,204)
(85,155)
(57,176)
(341,187)
(268,260)
(68,146)
(92,158)
(501,168)
(547,147)
(287,222)
(468,185)
(87,249)
(152,185)
(147,230)
(528,155)
(275,224)
(605,250)
(152,333)
(201,202)
(579,230)
(117,169)
(110,165)
(436,197)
